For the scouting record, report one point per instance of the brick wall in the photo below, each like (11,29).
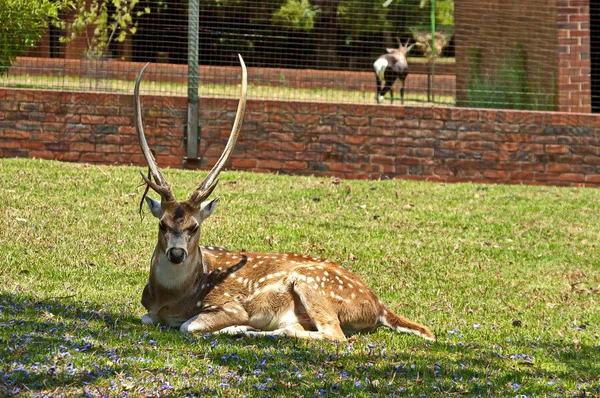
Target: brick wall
(495,30)
(555,35)
(574,79)
(343,140)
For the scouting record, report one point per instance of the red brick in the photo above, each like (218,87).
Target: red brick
(295,165)
(93,157)
(270,164)
(557,149)
(558,168)
(243,163)
(497,174)
(593,178)
(572,177)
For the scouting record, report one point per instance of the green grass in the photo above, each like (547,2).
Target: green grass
(473,262)
(211,90)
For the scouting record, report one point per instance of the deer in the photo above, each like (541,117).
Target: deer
(391,67)
(207,289)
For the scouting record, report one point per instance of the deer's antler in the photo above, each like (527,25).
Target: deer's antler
(209,183)
(159,184)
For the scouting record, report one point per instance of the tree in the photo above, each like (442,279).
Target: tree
(22,24)
(103,22)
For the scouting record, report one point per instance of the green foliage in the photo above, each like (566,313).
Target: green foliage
(508,86)
(444,11)
(296,15)
(22,23)
(102,22)
(357,17)
(508,277)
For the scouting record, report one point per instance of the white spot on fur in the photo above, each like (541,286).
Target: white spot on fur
(199,304)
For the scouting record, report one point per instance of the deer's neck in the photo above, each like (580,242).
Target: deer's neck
(178,277)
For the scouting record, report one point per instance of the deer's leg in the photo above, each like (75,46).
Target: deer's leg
(402,91)
(385,89)
(150,319)
(379,96)
(219,319)
(319,310)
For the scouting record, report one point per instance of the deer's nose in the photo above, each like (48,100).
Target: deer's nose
(176,255)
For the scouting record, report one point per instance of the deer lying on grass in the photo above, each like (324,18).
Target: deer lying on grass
(207,289)
(391,67)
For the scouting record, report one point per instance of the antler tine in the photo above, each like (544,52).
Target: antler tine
(407,41)
(159,184)
(209,183)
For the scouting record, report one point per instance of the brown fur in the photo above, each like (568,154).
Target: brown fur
(260,291)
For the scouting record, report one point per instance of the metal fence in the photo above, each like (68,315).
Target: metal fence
(500,54)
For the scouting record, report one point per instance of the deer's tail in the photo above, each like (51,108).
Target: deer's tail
(403,325)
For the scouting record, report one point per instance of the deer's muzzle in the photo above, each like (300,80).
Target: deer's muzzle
(176,255)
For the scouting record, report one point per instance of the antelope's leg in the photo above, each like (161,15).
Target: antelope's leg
(230,315)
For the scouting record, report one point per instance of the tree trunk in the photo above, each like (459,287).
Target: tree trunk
(326,34)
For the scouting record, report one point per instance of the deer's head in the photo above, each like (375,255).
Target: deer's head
(179,222)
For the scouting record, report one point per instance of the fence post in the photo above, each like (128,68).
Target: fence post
(192,136)
(431,88)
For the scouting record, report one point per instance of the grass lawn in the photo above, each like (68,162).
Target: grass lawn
(216,90)
(508,277)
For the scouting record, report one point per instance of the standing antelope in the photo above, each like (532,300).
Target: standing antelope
(390,67)
(207,289)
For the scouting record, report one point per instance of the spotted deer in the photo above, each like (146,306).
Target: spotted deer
(391,67)
(207,289)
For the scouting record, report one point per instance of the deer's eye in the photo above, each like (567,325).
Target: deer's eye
(162,226)
(193,229)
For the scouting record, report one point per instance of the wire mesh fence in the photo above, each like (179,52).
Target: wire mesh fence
(499,54)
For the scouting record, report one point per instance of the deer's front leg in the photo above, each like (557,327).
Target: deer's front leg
(215,319)
(150,319)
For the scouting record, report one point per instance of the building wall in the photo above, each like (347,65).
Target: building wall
(341,140)
(574,81)
(495,28)
(555,35)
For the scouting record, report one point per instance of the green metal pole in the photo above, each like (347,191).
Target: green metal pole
(192,137)
(433,55)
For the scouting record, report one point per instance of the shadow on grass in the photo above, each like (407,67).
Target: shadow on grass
(78,348)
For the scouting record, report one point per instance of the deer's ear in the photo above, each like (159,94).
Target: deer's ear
(390,50)
(410,48)
(207,208)
(154,207)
